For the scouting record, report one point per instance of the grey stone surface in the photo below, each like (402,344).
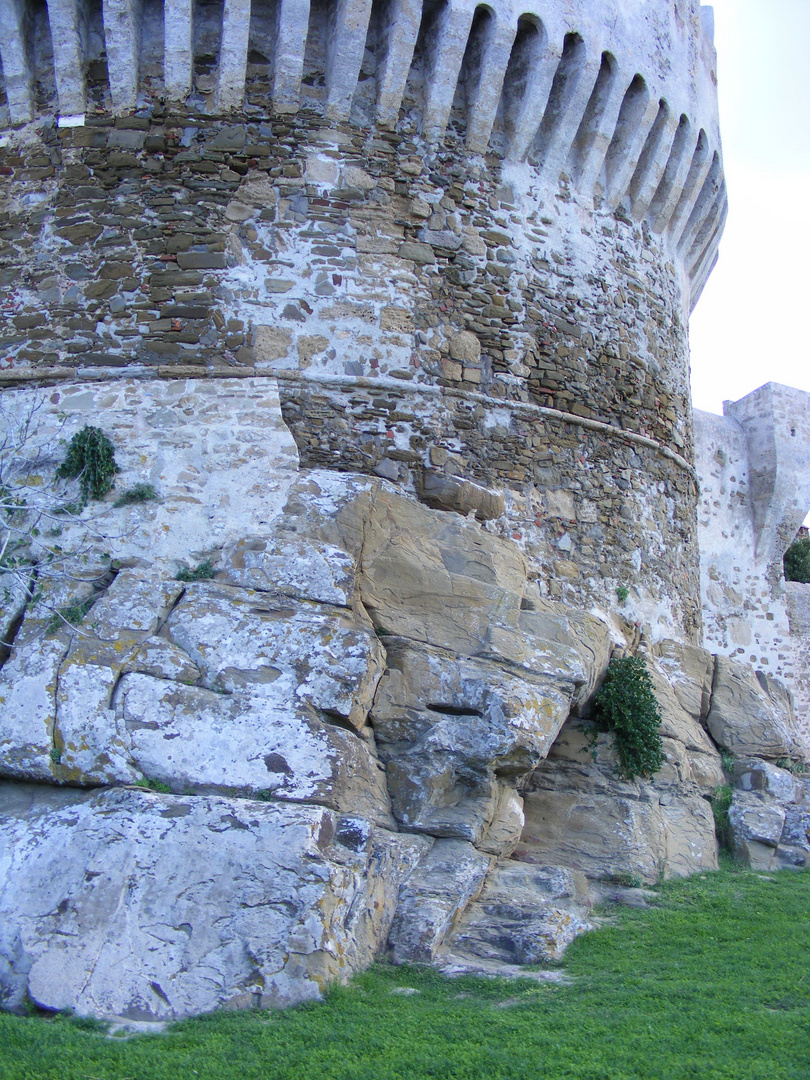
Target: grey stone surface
(751,713)
(143,906)
(523,915)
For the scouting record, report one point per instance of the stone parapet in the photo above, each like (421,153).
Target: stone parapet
(618,99)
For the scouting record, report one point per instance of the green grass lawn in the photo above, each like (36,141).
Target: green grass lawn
(712,983)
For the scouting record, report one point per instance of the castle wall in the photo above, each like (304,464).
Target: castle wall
(755,493)
(421,324)
(464,240)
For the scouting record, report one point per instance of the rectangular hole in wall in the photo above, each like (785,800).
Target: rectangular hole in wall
(151,52)
(264,15)
(96,74)
(207,37)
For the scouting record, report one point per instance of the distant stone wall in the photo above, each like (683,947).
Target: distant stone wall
(754,467)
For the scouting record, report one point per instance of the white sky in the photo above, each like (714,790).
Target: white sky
(751,323)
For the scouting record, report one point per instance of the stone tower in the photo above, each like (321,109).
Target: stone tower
(383,306)
(463,239)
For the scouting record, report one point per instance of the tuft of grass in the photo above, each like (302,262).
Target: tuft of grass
(204,572)
(72,613)
(622,592)
(153,785)
(721,804)
(710,983)
(138,493)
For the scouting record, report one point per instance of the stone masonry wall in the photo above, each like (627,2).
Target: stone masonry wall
(753,466)
(425,320)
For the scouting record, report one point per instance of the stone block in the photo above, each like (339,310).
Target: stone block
(229,902)
(421,254)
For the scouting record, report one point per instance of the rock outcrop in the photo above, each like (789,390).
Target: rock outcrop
(368,730)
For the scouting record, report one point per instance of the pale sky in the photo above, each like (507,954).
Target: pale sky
(750,325)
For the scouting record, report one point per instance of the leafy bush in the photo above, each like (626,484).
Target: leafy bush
(797,560)
(90,459)
(139,493)
(204,572)
(626,705)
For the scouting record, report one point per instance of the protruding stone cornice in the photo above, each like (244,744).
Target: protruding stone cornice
(617,97)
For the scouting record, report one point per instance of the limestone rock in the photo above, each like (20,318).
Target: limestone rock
(146,907)
(450,875)
(769,817)
(312,653)
(579,815)
(248,743)
(296,567)
(751,714)
(453,732)
(686,744)
(454,493)
(689,671)
(762,776)
(524,915)
(466,347)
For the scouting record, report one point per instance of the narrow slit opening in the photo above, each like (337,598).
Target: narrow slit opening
(262,37)
(96,73)
(207,38)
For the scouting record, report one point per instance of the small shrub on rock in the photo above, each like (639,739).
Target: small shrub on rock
(797,560)
(204,572)
(626,705)
(90,459)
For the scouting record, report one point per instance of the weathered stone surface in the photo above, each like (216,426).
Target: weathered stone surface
(449,583)
(523,915)
(141,906)
(751,714)
(769,817)
(689,671)
(449,876)
(770,779)
(454,493)
(295,567)
(619,835)
(456,735)
(250,743)
(580,815)
(465,347)
(688,749)
(311,653)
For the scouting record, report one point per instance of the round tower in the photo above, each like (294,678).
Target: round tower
(464,239)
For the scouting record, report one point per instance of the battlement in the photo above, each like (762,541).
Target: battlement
(617,98)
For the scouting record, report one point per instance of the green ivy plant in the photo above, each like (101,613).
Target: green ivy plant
(90,459)
(626,705)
